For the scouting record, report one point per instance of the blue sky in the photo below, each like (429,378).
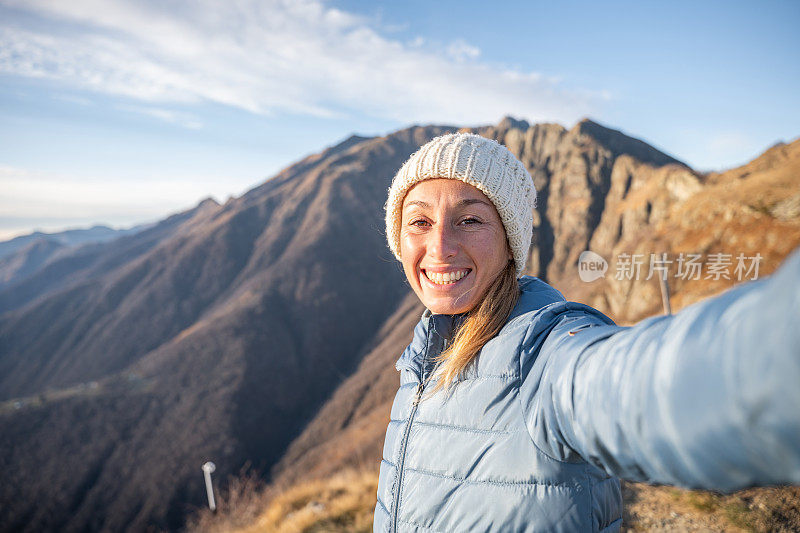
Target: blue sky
(123,111)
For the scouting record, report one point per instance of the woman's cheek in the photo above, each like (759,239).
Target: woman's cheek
(409,242)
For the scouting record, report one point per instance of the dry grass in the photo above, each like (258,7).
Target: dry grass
(664,508)
(343,502)
(238,505)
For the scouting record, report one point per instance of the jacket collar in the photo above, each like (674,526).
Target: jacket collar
(431,334)
(444,326)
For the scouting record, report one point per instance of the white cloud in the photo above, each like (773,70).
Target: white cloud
(265,56)
(462,51)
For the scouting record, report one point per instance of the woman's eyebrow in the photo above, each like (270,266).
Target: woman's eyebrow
(419,203)
(469,201)
(462,203)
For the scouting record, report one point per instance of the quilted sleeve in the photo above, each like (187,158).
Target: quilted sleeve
(706,398)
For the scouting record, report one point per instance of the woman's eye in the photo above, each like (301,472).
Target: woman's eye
(417,223)
(470,221)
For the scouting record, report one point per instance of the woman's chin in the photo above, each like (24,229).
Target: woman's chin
(447,306)
(446,310)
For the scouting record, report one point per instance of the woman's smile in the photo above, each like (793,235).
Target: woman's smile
(445,279)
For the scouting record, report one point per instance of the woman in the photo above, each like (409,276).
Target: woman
(519,411)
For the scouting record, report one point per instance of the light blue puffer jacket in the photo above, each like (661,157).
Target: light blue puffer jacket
(562,401)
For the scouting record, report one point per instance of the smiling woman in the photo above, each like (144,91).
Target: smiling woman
(520,411)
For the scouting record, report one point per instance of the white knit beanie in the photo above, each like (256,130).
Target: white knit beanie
(483,163)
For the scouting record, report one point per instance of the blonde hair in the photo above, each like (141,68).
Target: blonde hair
(480,325)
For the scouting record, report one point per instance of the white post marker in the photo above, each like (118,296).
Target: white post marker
(665,295)
(207,469)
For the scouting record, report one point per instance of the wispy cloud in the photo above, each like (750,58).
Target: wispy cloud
(269,55)
(187,120)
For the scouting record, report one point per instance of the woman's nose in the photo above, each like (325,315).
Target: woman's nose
(443,242)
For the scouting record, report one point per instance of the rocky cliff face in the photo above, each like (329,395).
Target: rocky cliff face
(574,171)
(749,212)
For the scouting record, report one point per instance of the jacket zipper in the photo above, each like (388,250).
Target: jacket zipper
(404,446)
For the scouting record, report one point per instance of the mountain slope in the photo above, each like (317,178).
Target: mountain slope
(223,338)
(28,273)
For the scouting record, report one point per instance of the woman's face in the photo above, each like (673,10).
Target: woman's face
(452,244)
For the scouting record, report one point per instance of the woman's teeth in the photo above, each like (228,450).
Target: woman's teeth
(446,278)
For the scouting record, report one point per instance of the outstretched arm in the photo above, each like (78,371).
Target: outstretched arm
(706,398)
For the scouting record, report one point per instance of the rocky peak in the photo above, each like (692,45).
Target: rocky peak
(510,122)
(620,144)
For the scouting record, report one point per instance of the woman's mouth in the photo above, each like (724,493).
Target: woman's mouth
(444,279)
